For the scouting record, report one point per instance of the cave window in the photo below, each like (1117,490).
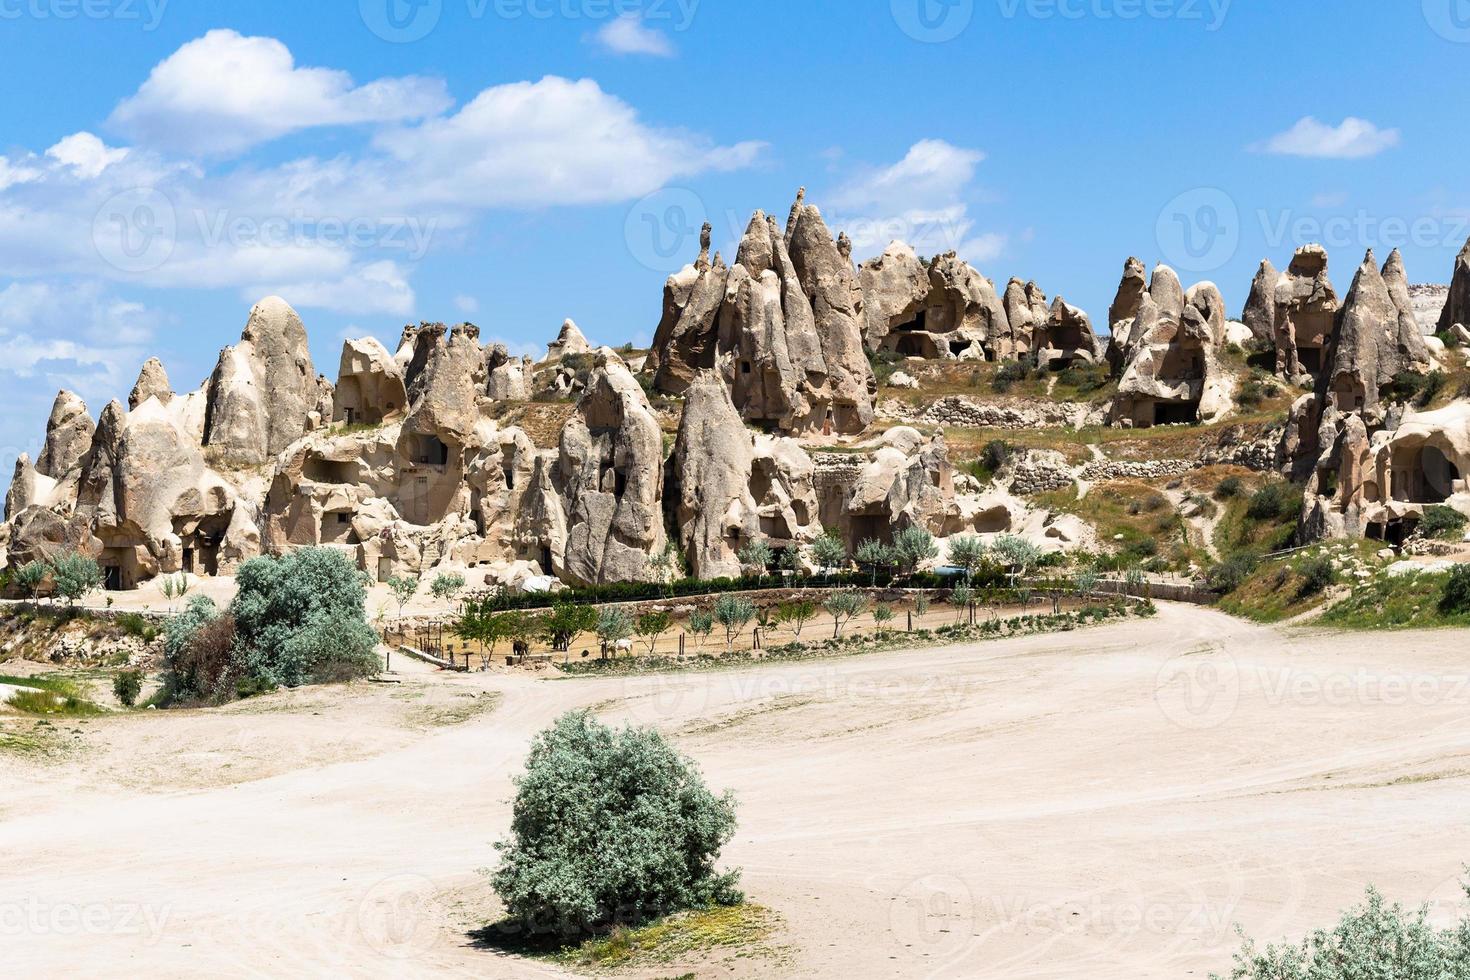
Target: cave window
(620,483)
(349,415)
(433,451)
(510,477)
(343,517)
(744,367)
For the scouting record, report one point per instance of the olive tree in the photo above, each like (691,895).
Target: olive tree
(610,828)
(75,576)
(829,552)
(968,553)
(842,607)
(733,612)
(30,577)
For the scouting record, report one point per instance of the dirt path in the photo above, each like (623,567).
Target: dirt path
(1100,804)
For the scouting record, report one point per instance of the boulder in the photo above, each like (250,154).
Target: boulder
(510,378)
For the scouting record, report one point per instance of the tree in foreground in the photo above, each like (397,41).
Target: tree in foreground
(30,577)
(842,607)
(614,625)
(610,828)
(566,622)
(1374,940)
(75,575)
(299,619)
(733,613)
(701,624)
(652,625)
(829,552)
(796,614)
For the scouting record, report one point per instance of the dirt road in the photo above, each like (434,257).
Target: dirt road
(1099,804)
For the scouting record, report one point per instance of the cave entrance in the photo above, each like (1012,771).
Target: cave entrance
(1176,413)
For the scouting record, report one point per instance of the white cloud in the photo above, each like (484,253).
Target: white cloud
(923,199)
(629,35)
(466,304)
(224,93)
(379,287)
(1329,200)
(74,335)
(11,173)
(85,154)
(551,142)
(1353,139)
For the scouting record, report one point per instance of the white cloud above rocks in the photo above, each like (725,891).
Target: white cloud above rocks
(1352,139)
(923,199)
(342,233)
(628,35)
(225,93)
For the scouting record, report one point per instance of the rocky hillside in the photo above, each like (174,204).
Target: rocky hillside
(787,395)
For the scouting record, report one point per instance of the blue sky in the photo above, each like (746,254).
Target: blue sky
(517,162)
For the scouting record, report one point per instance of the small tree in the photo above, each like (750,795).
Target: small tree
(733,613)
(446,585)
(403,587)
(652,625)
(1017,554)
(791,560)
(797,614)
(829,552)
(75,576)
(912,547)
(842,607)
(701,624)
(473,625)
(176,588)
(882,616)
(590,794)
(756,554)
(566,622)
(126,687)
(961,598)
(921,605)
(613,624)
(875,554)
(968,553)
(1086,582)
(30,577)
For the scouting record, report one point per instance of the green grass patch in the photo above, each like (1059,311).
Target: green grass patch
(50,696)
(1396,602)
(745,929)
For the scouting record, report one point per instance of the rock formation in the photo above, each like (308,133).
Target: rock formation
(784,326)
(152,383)
(611,467)
(1457,305)
(370,386)
(568,341)
(1301,308)
(1170,352)
(510,378)
(69,433)
(1375,339)
(263,389)
(940,311)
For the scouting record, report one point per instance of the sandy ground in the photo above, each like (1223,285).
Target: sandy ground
(1099,804)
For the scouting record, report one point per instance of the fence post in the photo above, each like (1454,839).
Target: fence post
(681,646)
(911,620)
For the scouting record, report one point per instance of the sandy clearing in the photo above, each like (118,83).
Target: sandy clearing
(1100,804)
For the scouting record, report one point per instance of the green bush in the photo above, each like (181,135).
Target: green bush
(1455,599)
(1231,574)
(610,828)
(136,624)
(1230,487)
(1007,375)
(1317,575)
(1442,522)
(299,619)
(126,686)
(1374,941)
(1277,501)
(198,654)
